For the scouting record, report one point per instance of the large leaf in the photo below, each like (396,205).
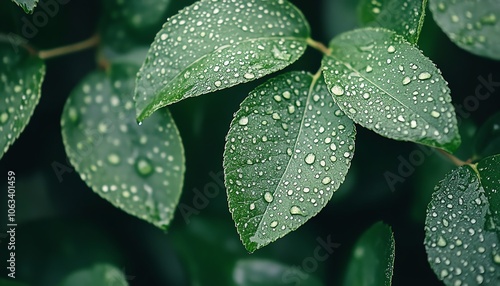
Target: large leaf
(21,77)
(27,5)
(473,25)
(98,274)
(137,168)
(288,149)
(404,17)
(212,45)
(385,84)
(372,258)
(462,229)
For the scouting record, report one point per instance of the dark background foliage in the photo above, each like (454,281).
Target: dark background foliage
(64,226)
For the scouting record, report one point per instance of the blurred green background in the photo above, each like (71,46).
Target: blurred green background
(64,227)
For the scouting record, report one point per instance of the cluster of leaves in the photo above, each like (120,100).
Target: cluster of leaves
(290,144)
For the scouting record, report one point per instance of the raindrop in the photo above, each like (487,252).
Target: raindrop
(310,158)
(113,159)
(4,117)
(295,210)
(249,76)
(406,80)
(252,206)
(72,113)
(441,241)
(435,114)
(424,76)
(274,224)
(496,258)
(268,197)
(391,49)
(143,167)
(337,90)
(369,68)
(243,121)
(326,180)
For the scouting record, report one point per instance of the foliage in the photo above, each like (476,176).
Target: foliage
(291,143)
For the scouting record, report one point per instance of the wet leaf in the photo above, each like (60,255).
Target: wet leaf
(139,169)
(404,17)
(21,78)
(98,274)
(27,5)
(288,149)
(372,258)
(472,25)
(387,85)
(264,272)
(212,45)
(487,139)
(462,229)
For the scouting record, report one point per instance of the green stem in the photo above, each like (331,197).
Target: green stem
(453,159)
(69,49)
(319,46)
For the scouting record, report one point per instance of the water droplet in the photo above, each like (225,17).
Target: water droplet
(441,6)
(496,258)
(113,159)
(337,90)
(291,109)
(490,19)
(286,94)
(455,18)
(252,206)
(72,113)
(368,69)
(268,197)
(295,210)
(310,158)
(218,83)
(366,96)
(391,49)
(274,224)
(4,117)
(406,80)
(435,114)
(326,180)
(424,76)
(441,241)
(413,124)
(143,167)
(243,121)
(249,76)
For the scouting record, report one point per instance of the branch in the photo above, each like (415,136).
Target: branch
(73,48)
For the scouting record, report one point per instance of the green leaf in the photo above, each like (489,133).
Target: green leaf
(137,15)
(385,84)
(372,258)
(472,25)
(212,45)
(264,272)
(98,274)
(27,5)
(288,149)
(139,169)
(487,139)
(462,229)
(404,17)
(21,78)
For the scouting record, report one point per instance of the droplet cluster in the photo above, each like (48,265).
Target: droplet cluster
(385,84)
(288,149)
(212,45)
(137,168)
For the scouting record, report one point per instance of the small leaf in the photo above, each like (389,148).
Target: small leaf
(406,17)
(98,274)
(21,78)
(385,84)
(462,229)
(372,258)
(137,168)
(487,138)
(27,5)
(472,25)
(288,149)
(212,45)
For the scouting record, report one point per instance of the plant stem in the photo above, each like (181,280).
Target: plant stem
(73,48)
(319,46)
(452,158)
